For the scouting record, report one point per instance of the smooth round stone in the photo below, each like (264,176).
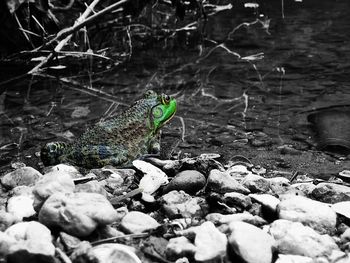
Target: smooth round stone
(222,182)
(22,176)
(21,206)
(110,253)
(190,181)
(179,247)
(317,215)
(249,243)
(138,222)
(77,214)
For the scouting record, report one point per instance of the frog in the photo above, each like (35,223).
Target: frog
(119,140)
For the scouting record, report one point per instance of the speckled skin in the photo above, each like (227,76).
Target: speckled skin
(116,141)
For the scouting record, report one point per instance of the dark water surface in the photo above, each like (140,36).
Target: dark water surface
(241,88)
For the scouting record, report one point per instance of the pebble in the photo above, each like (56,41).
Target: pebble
(77,213)
(249,243)
(111,253)
(22,176)
(64,169)
(190,181)
(279,184)
(50,183)
(342,208)
(219,219)
(297,239)
(256,183)
(210,243)
(305,188)
(268,201)
(222,182)
(21,206)
(179,247)
(7,219)
(151,181)
(138,222)
(293,259)
(177,204)
(331,193)
(317,215)
(237,200)
(68,241)
(27,242)
(93,186)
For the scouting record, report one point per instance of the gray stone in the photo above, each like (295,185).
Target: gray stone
(331,193)
(219,219)
(33,243)
(21,206)
(293,259)
(268,201)
(222,182)
(256,183)
(296,239)
(180,247)
(237,200)
(50,183)
(250,243)
(7,219)
(179,204)
(64,169)
(138,222)
(210,243)
(342,208)
(278,185)
(22,176)
(190,181)
(312,213)
(305,188)
(77,213)
(93,186)
(111,253)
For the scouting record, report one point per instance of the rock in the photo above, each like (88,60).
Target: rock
(21,206)
(7,219)
(68,241)
(77,213)
(296,239)
(111,253)
(23,190)
(268,201)
(138,222)
(249,243)
(237,200)
(312,213)
(50,183)
(64,169)
(219,219)
(256,183)
(222,182)
(179,204)
(151,181)
(278,185)
(104,253)
(331,193)
(22,176)
(179,247)
(190,181)
(306,188)
(93,186)
(210,243)
(33,243)
(345,237)
(342,208)
(293,259)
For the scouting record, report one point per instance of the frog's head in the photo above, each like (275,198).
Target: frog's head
(162,110)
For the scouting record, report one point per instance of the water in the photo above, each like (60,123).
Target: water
(241,88)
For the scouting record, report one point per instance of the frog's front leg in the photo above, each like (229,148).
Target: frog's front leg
(154,145)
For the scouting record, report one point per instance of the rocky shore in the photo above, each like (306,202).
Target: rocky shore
(188,210)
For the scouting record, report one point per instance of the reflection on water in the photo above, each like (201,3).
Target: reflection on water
(226,95)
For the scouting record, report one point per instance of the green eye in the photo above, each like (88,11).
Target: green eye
(157,112)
